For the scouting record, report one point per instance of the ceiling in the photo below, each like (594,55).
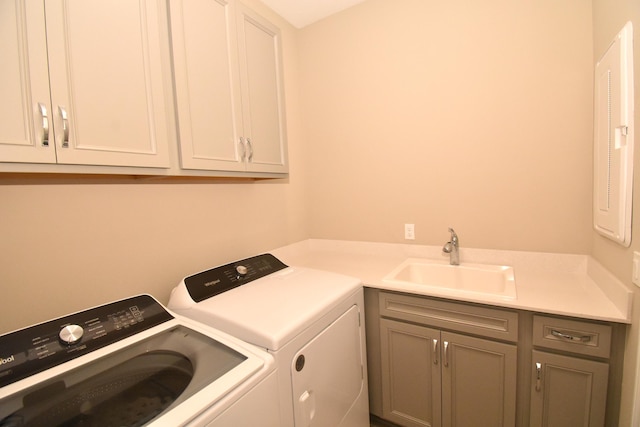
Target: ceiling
(301,13)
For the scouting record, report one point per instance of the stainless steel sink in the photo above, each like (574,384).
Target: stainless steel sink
(466,278)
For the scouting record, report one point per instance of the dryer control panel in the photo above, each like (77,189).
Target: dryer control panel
(34,349)
(220,279)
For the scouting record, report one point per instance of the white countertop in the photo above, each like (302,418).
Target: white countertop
(563,284)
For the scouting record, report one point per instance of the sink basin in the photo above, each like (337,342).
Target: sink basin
(466,278)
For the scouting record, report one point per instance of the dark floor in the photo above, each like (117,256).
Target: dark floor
(375,422)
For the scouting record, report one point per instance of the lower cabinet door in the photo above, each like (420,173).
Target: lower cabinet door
(568,391)
(435,378)
(411,374)
(478,382)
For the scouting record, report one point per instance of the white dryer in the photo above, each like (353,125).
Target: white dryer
(311,321)
(133,363)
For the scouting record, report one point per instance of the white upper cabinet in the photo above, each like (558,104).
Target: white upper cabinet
(229,91)
(207,84)
(26,131)
(103,91)
(262,92)
(87,87)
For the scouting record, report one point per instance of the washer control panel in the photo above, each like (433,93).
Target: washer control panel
(226,277)
(28,351)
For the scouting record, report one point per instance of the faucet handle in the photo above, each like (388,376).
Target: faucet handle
(454,236)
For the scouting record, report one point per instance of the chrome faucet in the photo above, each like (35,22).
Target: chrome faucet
(452,248)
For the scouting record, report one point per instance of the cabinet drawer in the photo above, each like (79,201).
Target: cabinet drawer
(575,336)
(484,321)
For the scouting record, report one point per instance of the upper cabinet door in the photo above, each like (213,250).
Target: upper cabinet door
(229,92)
(207,84)
(262,92)
(107,85)
(24,84)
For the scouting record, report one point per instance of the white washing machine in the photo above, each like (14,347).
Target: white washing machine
(133,363)
(311,321)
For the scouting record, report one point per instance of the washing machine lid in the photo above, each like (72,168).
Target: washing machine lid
(147,377)
(268,311)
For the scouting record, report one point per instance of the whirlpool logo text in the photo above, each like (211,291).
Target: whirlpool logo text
(5,361)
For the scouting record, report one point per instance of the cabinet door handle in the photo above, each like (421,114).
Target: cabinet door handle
(434,344)
(243,148)
(65,126)
(45,124)
(577,338)
(445,346)
(250,149)
(538,375)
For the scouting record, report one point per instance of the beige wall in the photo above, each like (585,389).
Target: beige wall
(474,115)
(609,18)
(70,243)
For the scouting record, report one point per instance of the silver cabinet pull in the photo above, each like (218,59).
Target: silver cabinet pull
(538,375)
(446,353)
(577,338)
(434,344)
(250,149)
(65,127)
(45,124)
(243,148)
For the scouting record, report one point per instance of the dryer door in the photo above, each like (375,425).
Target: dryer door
(328,374)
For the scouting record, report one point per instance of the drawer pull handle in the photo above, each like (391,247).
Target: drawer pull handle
(538,375)
(576,338)
(434,344)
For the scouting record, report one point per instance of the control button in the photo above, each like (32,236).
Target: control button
(71,334)
(241,270)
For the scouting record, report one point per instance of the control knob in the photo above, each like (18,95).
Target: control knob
(241,270)
(71,334)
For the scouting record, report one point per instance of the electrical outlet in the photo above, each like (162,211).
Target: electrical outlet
(635,274)
(409,232)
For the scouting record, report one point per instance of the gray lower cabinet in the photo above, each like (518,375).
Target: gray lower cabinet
(568,391)
(434,377)
(438,378)
(478,382)
(435,362)
(411,374)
